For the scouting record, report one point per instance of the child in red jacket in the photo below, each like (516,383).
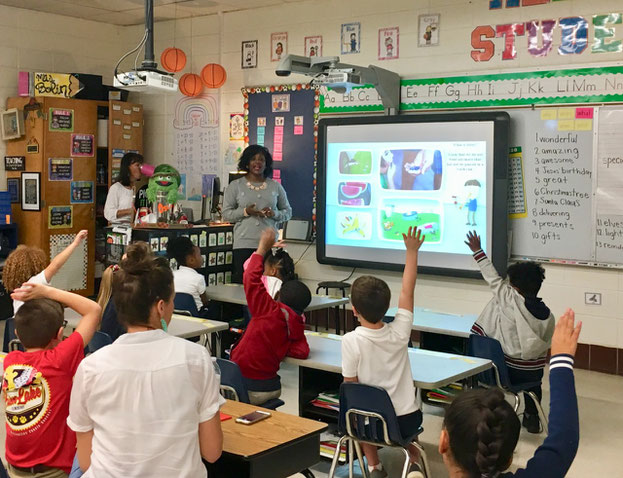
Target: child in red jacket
(276,329)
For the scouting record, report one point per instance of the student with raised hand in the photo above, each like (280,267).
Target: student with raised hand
(373,349)
(37,382)
(519,320)
(147,405)
(28,264)
(481,430)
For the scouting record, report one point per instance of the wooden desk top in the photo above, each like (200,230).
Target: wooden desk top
(274,431)
(234,294)
(429,369)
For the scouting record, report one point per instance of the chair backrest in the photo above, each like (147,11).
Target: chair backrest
(231,380)
(99,340)
(10,338)
(183,301)
(488,348)
(367,413)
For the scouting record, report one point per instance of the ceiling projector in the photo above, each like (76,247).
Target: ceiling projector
(146,81)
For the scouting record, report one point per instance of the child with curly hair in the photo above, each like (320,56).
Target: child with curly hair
(29,264)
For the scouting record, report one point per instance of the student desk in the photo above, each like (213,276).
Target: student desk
(435,325)
(180,326)
(277,447)
(234,294)
(322,370)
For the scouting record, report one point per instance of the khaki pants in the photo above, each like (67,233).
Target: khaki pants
(51,473)
(257,398)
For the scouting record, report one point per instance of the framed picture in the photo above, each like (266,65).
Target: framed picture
(31,191)
(351,36)
(388,43)
(278,46)
(12,185)
(313,46)
(428,32)
(12,124)
(248,55)
(14,163)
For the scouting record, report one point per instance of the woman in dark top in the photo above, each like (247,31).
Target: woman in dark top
(481,429)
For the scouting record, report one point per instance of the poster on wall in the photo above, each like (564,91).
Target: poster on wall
(81,192)
(82,145)
(12,185)
(278,46)
(60,169)
(197,138)
(313,46)
(248,55)
(280,103)
(428,31)
(73,275)
(236,126)
(61,120)
(14,163)
(60,217)
(388,43)
(351,36)
(60,85)
(31,191)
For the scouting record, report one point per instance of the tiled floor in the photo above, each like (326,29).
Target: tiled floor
(600,398)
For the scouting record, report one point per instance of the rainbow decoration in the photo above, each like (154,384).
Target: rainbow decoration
(198,111)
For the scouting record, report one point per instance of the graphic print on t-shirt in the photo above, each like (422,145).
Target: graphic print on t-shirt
(26,396)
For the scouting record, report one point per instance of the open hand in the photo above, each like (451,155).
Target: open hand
(267,240)
(29,291)
(413,239)
(253,211)
(473,241)
(566,333)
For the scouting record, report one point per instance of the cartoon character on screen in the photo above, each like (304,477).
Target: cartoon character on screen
(472,189)
(162,192)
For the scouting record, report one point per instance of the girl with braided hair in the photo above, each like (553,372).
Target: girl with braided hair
(480,429)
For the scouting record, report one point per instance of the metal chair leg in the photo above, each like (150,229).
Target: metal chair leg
(351,461)
(516,397)
(362,463)
(423,459)
(539,409)
(406,466)
(336,455)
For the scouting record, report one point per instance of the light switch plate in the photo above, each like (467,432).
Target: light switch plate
(592,298)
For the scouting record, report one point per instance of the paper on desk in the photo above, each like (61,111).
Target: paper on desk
(191,319)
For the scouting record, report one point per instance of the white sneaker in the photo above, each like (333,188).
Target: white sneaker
(415,474)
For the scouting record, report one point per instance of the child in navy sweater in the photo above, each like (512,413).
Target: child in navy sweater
(480,429)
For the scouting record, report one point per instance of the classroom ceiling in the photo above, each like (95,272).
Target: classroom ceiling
(132,12)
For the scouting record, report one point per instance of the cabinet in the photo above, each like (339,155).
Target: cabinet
(61,145)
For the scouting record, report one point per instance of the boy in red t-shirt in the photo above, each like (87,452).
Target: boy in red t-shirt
(276,328)
(37,382)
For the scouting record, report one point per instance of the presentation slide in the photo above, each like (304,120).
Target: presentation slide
(381,179)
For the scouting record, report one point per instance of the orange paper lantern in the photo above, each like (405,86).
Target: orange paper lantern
(190,84)
(213,75)
(173,59)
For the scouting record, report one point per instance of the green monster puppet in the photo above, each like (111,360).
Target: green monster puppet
(165,179)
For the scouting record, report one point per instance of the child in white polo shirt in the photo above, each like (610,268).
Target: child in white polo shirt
(376,353)
(187,279)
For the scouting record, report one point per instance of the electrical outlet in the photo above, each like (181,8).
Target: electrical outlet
(592,298)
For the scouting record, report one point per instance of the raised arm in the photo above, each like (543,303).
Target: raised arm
(58,261)
(90,311)
(258,298)
(502,289)
(413,241)
(555,456)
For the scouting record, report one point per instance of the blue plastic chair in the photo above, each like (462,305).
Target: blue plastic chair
(185,303)
(3,472)
(368,416)
(489,348)
(99,340)
(11,342)
(234,388)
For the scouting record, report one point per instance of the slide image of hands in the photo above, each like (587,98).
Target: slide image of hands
(397,216)
(353,193)
(355,162)
(354,225)
(411,169)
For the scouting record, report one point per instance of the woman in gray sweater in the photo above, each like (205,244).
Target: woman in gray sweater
(253,203)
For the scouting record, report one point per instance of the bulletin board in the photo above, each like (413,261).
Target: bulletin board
(284,119)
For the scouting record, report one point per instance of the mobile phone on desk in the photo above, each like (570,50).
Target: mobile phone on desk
(253,417)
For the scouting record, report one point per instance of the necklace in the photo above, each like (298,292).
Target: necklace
(256,188)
